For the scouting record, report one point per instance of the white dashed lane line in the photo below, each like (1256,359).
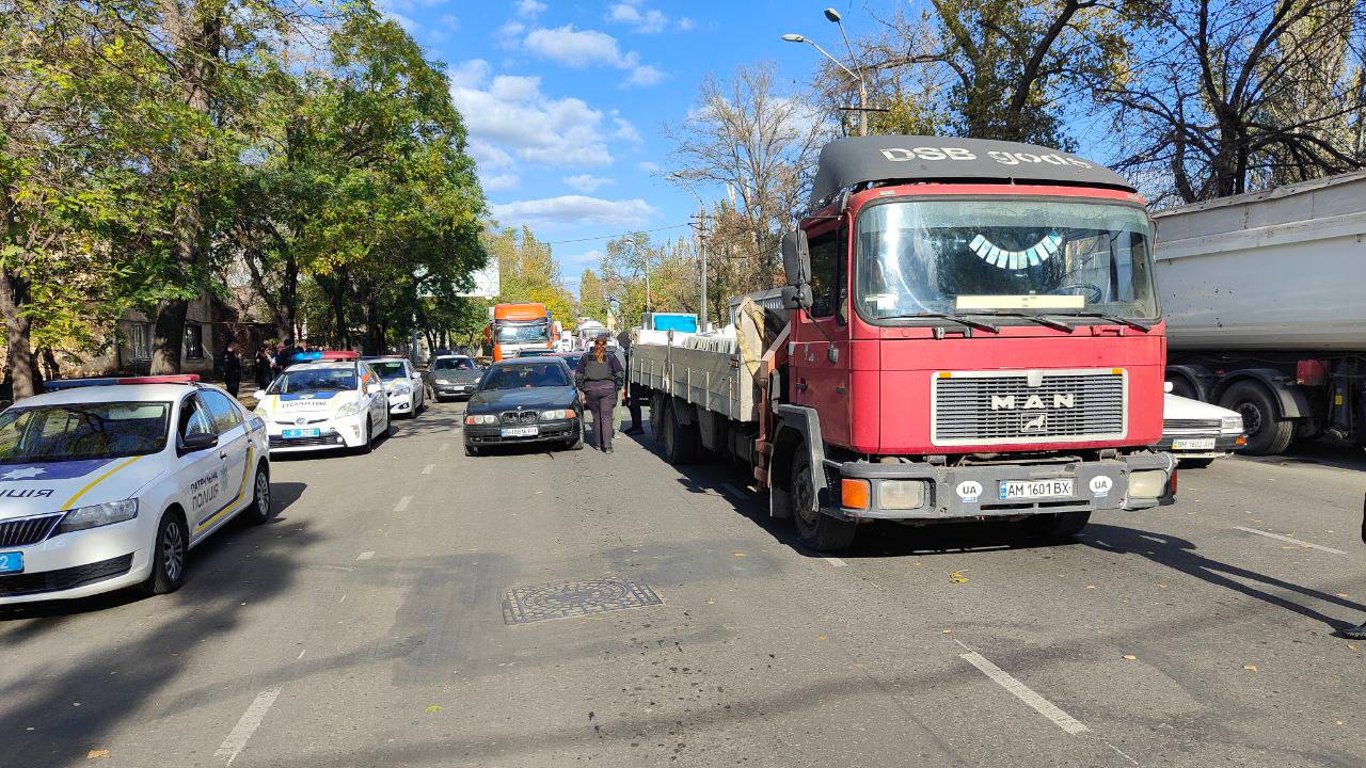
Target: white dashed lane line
(251,720)
(1022,692)
(403,503)
(1287,539)
(366,556)
(427,470)
(835,562)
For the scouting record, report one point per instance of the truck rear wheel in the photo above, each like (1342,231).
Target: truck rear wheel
(680,440)
(1267,432)
(1060,526)
(658,410)
(818,530)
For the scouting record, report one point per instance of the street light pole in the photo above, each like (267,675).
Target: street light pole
(856,76)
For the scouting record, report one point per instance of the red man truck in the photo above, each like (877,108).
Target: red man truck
(969,331)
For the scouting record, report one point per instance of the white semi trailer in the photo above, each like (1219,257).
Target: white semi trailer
(1261,294)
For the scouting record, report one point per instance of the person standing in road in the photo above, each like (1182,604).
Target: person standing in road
(631,394)
(232,369)
(599,377)
(265,366)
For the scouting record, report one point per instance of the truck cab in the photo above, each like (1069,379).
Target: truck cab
(516,327)
(974,332)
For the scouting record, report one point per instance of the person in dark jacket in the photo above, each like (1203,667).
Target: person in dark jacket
(265,366)
(232,369)
(599,377)
(632,394)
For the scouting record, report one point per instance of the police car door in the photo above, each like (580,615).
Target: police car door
(372,388)
(200,477)
(233,445)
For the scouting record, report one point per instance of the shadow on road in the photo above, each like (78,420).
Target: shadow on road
(1182,555)
(55,715)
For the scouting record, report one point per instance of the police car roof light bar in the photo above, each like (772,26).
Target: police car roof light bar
(109,381)
(326,354)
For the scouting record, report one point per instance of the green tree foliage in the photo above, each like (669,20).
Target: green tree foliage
(527,271)
(592,296)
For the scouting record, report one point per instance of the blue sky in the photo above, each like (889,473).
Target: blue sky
(565,101)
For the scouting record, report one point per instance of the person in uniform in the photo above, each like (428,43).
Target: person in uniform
(599,377)
(631,398)
(232,369)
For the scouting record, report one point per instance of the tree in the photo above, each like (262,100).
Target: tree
(1239,94)
(528,271)
(592,297)
(747,136)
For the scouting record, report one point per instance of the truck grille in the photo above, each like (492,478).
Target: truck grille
(27,530)
(989,407)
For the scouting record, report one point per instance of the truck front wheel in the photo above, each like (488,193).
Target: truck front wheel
(818,530)
(1267,432)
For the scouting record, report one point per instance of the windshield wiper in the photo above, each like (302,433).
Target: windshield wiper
(1135,324)
(1056,325)
(969,322)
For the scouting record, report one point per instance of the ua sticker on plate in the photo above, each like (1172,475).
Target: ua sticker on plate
(969,491)
(1100,486)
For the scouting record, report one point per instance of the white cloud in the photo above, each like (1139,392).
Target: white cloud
(647,166)
(685,24)
(530,9)
(648,22)
(502,182)
(625,130)
(450,22)
(510,115)
(574,209)
(576,47)
(510,34)
(587,182)
(644,76)
(469,73)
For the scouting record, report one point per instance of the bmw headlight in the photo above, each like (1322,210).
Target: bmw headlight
(1231,424)
(481,418)
(97,515)
(351,409)
(556,414)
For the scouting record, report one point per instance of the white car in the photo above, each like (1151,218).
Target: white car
(322,405)
(108,483)
(1197,433)
(402,383)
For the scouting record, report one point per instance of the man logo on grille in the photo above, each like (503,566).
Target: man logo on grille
(1033,403)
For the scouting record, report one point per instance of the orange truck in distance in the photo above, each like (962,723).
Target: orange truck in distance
(515,327)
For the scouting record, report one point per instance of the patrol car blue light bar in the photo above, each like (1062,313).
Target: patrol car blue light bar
(325,354)
(109,381)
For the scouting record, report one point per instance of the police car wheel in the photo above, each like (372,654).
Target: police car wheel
(369,438)
(261,509)
(168,555)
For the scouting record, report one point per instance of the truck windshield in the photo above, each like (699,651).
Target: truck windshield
(966,256)
(523,333)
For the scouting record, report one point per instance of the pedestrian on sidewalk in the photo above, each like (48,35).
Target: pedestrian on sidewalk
(232,369)
(599,377)
(1359,631)
(265,367)
(631,395)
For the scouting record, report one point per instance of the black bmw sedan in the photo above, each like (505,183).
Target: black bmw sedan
(524,400)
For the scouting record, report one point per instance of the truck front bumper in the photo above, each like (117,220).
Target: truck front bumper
(975,491)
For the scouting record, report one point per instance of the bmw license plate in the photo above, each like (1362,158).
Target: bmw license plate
(519,432)
(301,432)
(11,562)
(1193,444)
(1035,489)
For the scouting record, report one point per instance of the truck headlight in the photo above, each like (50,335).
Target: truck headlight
(901,494)
(350,409)
(96,515)
(1231,424)
(1148,484)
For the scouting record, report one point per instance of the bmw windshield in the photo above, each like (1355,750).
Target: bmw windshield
(314,380)
(85,431)
(1004,254)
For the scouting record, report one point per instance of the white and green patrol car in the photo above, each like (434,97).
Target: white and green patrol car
(108,483)
(325,404)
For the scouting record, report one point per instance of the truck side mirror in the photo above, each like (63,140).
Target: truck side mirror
(797,297)
(797,264)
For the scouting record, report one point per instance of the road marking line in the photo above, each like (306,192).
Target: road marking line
(736,492)
(1024,693)
(427,470)
(835,561)
(339,602)
(301,654)
(1279,537)
(246,726)
(1117,751)
(404,502)
(365,556)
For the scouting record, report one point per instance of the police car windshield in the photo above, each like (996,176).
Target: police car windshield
(520,376)
(314,380)
(389,370)
(47,433)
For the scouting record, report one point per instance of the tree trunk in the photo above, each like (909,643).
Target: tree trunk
(18,332)
(168,337)
(338,296)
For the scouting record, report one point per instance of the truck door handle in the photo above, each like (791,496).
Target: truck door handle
(801,385)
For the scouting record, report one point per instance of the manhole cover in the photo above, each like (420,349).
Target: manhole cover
(523,605)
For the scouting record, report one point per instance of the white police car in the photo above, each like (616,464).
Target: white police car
(332,401)
(404,385)
(108,483)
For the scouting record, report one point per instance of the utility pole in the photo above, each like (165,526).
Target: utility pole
(700,223)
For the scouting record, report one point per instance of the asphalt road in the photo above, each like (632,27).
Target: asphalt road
(366,627)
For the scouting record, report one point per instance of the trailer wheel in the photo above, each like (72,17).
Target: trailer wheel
(1267,432)
(680,440)
(818,530)
(658,409)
